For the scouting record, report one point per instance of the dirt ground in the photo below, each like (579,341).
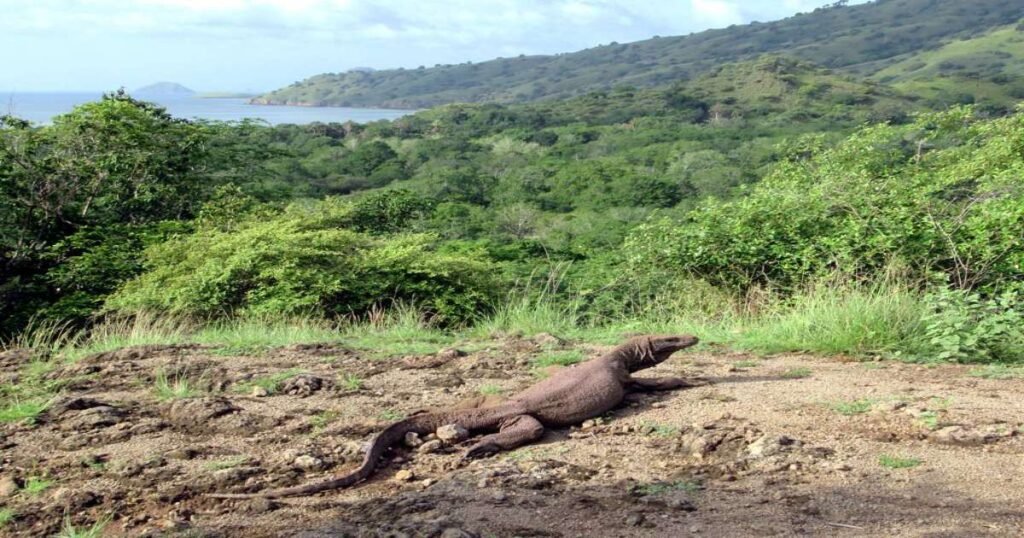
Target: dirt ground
(780,446)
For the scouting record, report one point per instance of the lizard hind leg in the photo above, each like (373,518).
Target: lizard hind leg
(513,432)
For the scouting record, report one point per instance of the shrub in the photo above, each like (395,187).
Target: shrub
(302,262)
(943,194)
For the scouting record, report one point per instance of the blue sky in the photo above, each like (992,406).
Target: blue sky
(69,45)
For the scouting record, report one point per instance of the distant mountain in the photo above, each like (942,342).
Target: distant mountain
(165,89)
(863,39)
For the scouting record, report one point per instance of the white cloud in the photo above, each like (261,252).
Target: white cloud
(717,12)
(268,43)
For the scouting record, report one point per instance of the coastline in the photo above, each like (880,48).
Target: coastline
(262,101)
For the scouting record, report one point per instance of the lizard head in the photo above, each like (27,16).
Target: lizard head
(647,351)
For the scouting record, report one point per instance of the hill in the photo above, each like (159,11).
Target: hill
(862,39)
(164,89)
(987,68)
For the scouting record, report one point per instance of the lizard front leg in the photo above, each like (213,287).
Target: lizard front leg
(513,432)
(646,384)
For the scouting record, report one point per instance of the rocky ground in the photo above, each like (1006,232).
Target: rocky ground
(788,445)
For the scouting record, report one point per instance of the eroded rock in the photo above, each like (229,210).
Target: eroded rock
(452,433)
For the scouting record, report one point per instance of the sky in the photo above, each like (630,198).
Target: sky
(260,45)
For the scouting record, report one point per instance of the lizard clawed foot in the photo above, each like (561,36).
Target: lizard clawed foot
(481,450)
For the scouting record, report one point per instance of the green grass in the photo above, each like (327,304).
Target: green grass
(797,373)
(391,415)
(36,485)
(255,335)
(658,488)
(746,364)
(93,531)
(929,419)
(854,407)
(351,382)
(837,319)
(998,371)
(529,316)
(270,383)
(6,516)
(23,411)
(117,333)
(659,430)
(491,390)
(176,388)
(320,420)
(559,358)
(895,462)
(229,463)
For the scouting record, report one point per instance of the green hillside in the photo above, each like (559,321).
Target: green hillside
(988,69)
(862,39)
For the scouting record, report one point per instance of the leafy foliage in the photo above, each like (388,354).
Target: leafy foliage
(302,262)
(942,195)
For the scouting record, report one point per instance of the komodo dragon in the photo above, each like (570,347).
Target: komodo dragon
(568,397)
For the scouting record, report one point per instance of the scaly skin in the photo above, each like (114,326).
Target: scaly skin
(568,397)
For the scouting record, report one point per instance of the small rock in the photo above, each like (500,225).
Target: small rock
(769,445)
(259,392)
(681,504)
(183,454)
(427,483)
(448,381)
(635,520)
(499,497)
(75,499)
(547,339)
(260,506)
(430,446)
(307,462)
(93,418)
(887,407)
(452,433)
(450,353)
(962,436)
(587,424)
(8,487)
(404,475)
(456,533)
(412,440)
(302,385)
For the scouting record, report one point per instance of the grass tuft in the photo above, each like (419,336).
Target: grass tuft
(93,531)
(6,516)
(176,388)
(36,485)
(258,334)
(658,488)
(491,390)
(23,411)
(895,462)
(229,463)
(797,373)
(270,383)
(854,407)
(998,371)
(559,358)
(833,319)
(351,382)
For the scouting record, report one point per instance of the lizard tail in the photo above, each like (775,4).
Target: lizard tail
(381,442)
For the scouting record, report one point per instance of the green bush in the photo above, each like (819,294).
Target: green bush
(303,262)
(944,195)
(964,327)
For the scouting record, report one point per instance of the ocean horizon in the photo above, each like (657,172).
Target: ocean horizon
(41,107)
